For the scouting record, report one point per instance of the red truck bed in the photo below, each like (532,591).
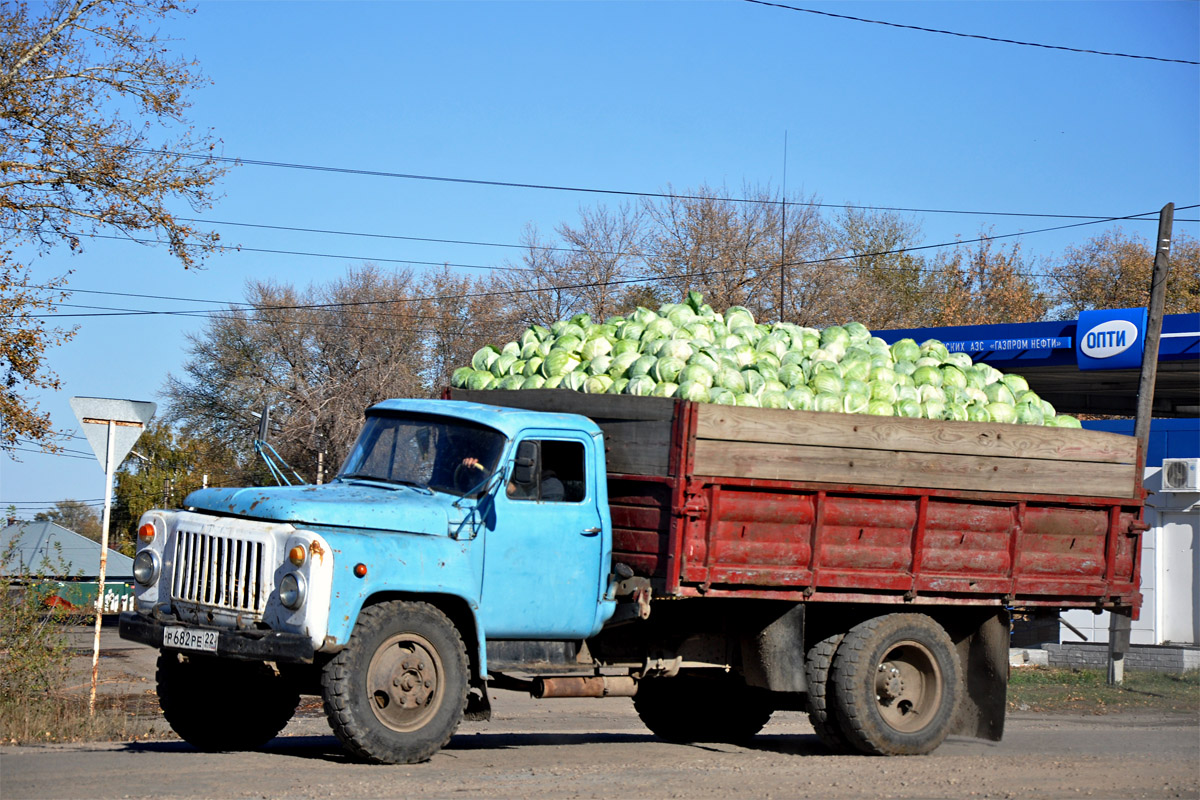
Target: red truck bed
(740,502)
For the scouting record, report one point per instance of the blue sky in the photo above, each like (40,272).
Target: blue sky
(627,96)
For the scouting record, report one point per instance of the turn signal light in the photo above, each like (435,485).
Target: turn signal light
(146,533)
(360,570)
(297,554)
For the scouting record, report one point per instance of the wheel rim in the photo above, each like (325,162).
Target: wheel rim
(908,687)
(405,682)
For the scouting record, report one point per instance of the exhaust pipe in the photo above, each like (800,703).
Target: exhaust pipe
(591,686)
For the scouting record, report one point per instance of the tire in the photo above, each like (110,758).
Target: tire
(822,713)
(896,683)
(396,693)
(217,704)
(691,708)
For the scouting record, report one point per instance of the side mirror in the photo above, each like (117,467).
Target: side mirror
(525,462)
(264,423)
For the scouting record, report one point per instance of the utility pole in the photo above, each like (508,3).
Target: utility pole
(783,231)
(1119,624)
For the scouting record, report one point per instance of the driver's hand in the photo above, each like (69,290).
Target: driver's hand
(470,461)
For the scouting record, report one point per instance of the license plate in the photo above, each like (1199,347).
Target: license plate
(190,639)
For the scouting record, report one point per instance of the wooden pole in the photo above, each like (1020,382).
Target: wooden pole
(1119,624)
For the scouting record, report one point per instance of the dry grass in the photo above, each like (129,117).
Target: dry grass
(64,717)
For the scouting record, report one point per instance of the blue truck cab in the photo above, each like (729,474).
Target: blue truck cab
(451,523)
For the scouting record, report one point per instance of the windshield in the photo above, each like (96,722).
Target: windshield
(424,450)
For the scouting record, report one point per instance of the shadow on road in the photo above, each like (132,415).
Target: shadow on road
(328,748)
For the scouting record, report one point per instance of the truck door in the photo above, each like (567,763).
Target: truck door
(541,575)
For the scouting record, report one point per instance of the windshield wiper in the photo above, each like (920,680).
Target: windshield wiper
(362,476)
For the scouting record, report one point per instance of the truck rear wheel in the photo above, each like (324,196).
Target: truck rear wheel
(200,695)
(896,682)
(822,711)
(693,708)
(396,693)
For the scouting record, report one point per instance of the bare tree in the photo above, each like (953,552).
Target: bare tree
(590,269)
(461,315)
(732,250)
(320,357)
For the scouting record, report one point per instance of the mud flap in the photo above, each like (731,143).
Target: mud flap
(983,654)
(772,657)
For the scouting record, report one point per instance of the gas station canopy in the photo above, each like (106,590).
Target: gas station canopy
(1086,366)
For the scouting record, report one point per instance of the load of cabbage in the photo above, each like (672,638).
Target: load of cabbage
(688,350)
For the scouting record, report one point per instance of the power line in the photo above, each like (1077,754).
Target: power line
(59,450)
(47,452)
(637,279)
(241,249)
(551,248)
(256,162)
(972,35)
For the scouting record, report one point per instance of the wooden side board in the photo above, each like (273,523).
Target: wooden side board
(887,451)
(913,469)
(778,426)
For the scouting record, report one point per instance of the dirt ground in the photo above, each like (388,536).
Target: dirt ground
(599,749)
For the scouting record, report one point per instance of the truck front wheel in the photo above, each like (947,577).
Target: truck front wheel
(396,693)
(695,708)
(199,695)
(896,682)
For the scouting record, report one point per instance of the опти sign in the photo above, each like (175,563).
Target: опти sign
(1110,339)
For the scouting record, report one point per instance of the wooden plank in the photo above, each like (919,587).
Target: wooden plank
(911,469)
(636,447)
(780,426)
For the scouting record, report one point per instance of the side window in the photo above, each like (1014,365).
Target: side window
(557,476)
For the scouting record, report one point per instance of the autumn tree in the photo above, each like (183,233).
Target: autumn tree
(1113,269)
(162,469)
(74,515)
(979,283)
(884,284)
(25,336)
(93,138)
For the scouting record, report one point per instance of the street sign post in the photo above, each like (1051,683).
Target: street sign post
(111,427)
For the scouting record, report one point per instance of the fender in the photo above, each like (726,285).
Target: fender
(396,565)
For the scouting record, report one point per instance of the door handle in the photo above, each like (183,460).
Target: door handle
(590,531)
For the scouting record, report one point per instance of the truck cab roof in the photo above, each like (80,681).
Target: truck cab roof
(509,421)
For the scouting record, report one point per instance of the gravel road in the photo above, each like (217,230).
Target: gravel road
(599,749)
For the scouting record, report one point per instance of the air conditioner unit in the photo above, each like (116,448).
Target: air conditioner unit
(1179,474)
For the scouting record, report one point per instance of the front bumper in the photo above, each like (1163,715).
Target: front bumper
(250,645)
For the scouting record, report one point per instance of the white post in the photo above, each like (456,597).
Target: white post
(108,475)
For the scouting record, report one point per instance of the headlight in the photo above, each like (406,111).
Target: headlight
(145,568)
(291,590)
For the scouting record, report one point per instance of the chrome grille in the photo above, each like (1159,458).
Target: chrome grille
(221,571)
